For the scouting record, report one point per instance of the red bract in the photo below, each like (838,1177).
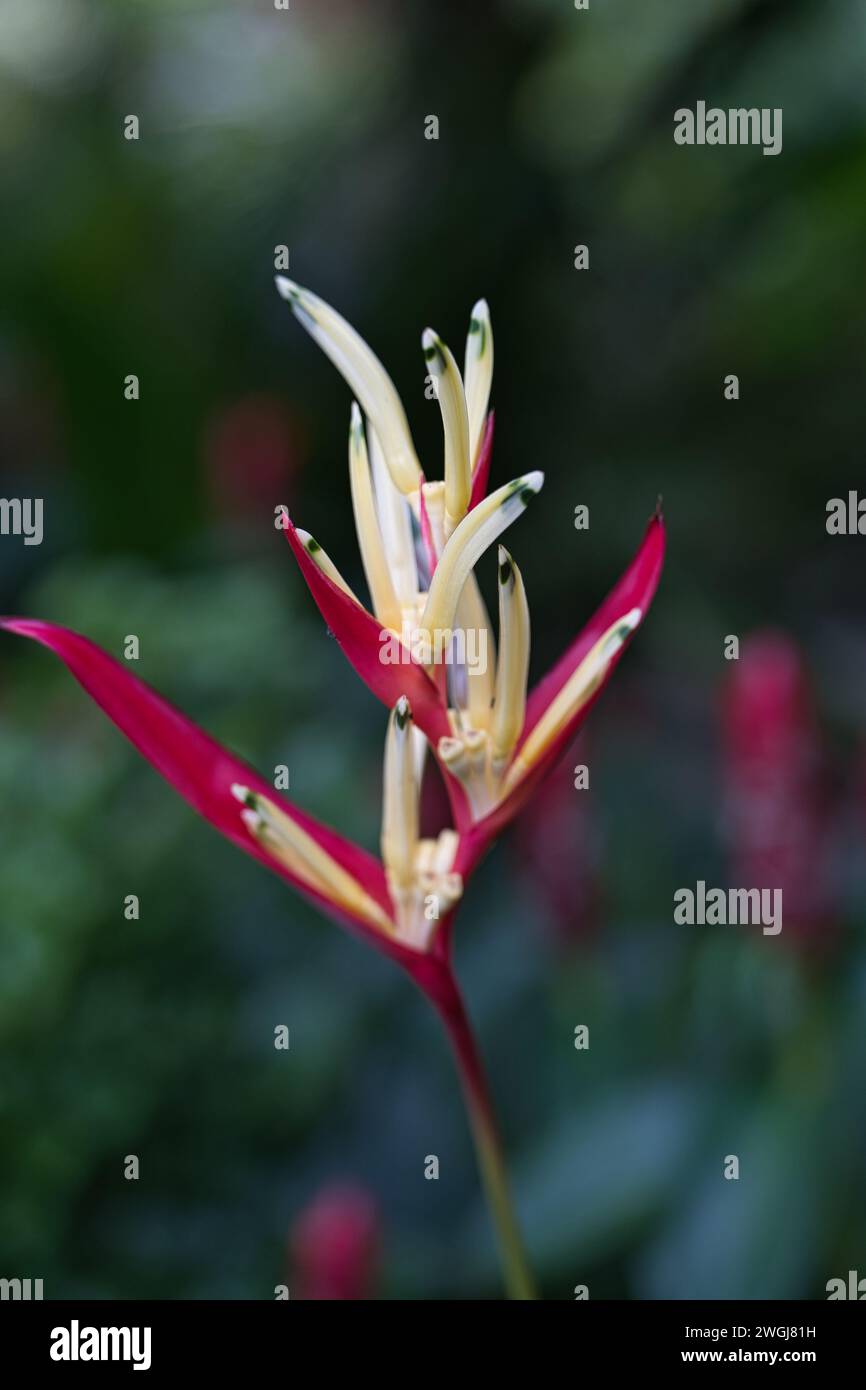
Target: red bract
(481,471)
(633,593)
(359,636)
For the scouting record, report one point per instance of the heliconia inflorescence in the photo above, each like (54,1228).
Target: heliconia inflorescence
(420,541)
(494,739)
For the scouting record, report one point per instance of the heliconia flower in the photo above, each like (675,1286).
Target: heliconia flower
(420,542)
(334,1246)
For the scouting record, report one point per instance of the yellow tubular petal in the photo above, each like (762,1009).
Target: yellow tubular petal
(478,374)
(400,809)
(280,850)
(472,619)
(382,595)
(455,423)
(509,709)
(323,562)
(578,689)
(304,857)
(366,376)
(395,525)
(483,525)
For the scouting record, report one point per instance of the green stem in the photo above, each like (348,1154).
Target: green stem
(488,1146)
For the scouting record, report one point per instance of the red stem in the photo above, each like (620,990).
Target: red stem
(438,983)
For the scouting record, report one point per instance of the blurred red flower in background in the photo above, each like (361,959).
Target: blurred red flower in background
(333,1245)
(777,817)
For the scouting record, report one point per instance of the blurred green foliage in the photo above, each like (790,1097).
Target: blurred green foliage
(155,1037)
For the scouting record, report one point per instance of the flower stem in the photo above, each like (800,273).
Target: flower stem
(488,1147)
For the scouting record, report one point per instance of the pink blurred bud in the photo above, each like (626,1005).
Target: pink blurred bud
(776,807)
(333,1245)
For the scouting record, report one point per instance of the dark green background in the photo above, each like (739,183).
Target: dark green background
(156,257)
